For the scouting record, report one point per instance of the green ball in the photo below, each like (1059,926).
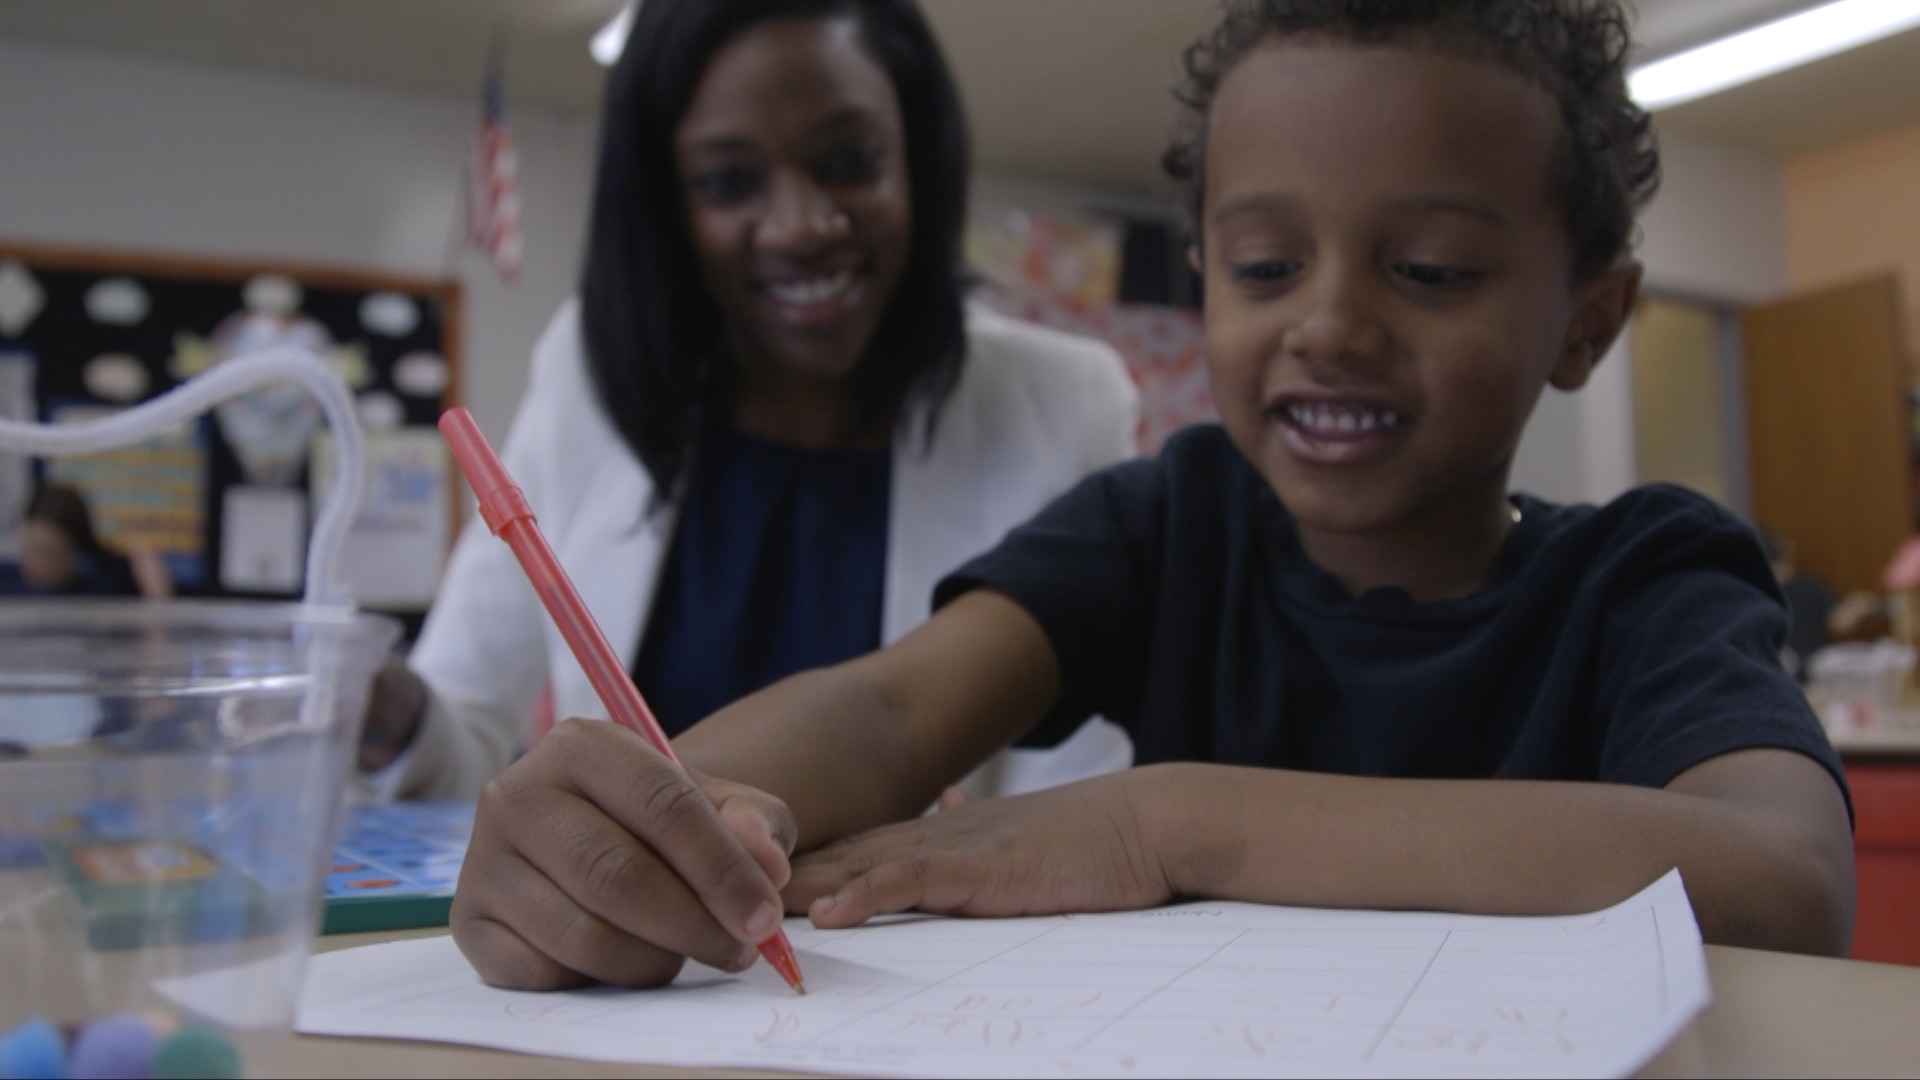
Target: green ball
(197,1053)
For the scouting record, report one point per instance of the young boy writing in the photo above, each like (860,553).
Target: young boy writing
(1356,670)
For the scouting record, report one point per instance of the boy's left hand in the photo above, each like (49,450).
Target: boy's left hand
(1079,847)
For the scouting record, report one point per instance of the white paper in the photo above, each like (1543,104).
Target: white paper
(263,539)
(1204,989)
(398,543)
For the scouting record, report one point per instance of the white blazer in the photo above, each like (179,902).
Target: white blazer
(1034,410)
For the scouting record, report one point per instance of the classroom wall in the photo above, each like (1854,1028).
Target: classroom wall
(120,152)
(1716,231)
(110,150)
(1853,210)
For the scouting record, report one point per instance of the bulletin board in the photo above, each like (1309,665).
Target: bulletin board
(228,500)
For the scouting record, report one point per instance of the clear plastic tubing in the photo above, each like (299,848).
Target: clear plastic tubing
(230,379)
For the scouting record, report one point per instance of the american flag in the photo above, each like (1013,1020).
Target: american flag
(493,179)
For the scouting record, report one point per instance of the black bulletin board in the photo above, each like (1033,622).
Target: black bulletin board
(86,331)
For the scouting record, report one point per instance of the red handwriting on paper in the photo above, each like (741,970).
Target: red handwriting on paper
(989,1032)
(1026,1003)
(1256,1039)
(1536,1044)
(1532,1015)
(1440,1040)
(848,995)
(779,1023)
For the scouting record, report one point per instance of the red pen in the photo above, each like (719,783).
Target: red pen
(505,510)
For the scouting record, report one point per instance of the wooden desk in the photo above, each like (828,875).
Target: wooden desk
(1772,1015)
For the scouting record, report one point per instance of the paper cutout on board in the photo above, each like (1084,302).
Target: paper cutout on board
(21,298)
(390,314)
(117,301)
(116,377)
(420,374)
(268,428)
(271,294)
(380,411)
(1202,989)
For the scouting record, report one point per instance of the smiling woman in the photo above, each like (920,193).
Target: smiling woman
(771,421)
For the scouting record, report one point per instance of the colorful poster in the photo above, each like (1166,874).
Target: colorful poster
(397,546)
(150,494)
(1075,261)
(1164,348)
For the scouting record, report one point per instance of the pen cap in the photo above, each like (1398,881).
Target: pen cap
(500,499)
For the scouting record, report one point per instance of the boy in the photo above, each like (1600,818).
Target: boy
(1356,672)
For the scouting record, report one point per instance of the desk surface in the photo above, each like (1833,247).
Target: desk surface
(1773,1015)
(1881,742)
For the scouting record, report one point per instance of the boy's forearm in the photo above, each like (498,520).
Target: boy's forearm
(1495,847)
(828,743)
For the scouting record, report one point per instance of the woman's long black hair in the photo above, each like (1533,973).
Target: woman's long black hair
(648,321)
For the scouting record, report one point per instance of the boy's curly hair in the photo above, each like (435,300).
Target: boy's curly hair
(1606,165)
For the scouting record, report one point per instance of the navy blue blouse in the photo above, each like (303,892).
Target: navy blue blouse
(778,566)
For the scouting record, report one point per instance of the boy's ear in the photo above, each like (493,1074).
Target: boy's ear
(1194,261)
(1601,309)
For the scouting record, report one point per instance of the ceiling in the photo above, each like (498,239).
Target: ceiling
(1072,90)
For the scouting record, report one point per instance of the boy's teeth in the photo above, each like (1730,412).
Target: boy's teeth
(1340,419)
(813,290)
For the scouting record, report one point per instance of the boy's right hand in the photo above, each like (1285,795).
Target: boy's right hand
(595,859)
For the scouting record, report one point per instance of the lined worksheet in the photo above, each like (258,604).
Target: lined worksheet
(1203,989)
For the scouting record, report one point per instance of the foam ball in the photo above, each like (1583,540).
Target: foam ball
(197,1052)
(118,1048)
(33,1051)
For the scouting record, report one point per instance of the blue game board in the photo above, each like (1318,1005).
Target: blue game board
(395,866)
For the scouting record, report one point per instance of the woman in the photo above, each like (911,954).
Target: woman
(770,423)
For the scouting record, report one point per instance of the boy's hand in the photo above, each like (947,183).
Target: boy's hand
(595,859)
(1079,847)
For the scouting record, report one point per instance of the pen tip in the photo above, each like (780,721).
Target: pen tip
(800,987)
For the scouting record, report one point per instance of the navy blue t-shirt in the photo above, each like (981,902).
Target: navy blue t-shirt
(1626,643)
(778,566)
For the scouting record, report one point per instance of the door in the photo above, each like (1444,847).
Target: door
(1828,428)
(1686,408)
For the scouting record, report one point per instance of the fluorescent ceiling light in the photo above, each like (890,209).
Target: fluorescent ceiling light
(1775,46)
(610,39)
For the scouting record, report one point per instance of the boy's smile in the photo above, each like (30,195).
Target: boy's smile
(1389,286)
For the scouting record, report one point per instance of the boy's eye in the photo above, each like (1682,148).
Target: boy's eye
(726,185)
(1265,271)
(1438,277)
(851,164)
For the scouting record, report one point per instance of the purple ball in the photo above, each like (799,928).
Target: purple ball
(117,1048)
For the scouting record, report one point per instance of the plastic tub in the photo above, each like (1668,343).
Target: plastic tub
(171,778)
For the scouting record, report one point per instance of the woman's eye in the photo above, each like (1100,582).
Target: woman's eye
(1429,276)
(727,185)
(851,164)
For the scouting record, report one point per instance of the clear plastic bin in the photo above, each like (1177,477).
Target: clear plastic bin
(1860,686)
(171,779)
